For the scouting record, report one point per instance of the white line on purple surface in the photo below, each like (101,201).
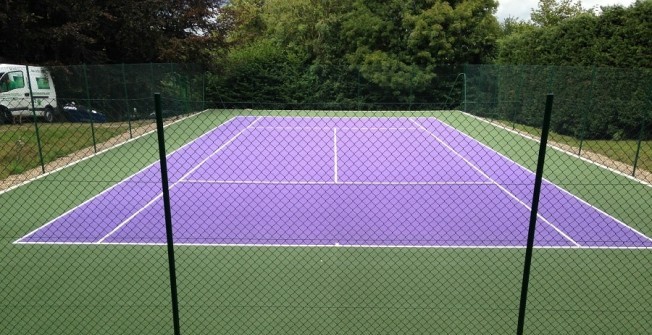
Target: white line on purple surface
(562,233)
(117,184)
(547,181)
(131,217)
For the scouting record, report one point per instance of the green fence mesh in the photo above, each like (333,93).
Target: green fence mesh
(358,208)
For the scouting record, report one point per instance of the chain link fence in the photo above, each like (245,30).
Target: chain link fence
(359,209)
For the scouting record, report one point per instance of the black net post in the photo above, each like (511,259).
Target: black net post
(168,213)
(534,212)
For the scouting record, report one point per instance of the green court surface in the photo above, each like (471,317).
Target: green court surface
(114,289)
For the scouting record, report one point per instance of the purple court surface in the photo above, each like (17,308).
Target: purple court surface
(364,182)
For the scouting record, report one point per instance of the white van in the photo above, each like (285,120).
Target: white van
(15,95)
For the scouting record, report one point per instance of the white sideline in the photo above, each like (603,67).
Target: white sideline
(123,181)
(546,180)
(502,188)
(131,217)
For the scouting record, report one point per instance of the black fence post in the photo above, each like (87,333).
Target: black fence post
(586,113)
(129,114)
(533,213)
(90,108)
(38,135)
(641,135)
(168,212)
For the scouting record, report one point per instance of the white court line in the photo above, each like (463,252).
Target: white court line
(372,246)
(308,182)
(496,183)
(335,154)
(546,180)
(95,154)
(131,217)
(406,118)
(121,182)
(341,128)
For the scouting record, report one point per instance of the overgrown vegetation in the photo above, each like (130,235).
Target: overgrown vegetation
(19,150)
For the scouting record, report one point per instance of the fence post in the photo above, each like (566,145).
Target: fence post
(586,112)
(464,72)
(519,102)
(151,75)
(641,135)
(203,91)
(38,135)
(187,95)
(168,213)
(533,213)
(90,107)
(358,87)
(124,83)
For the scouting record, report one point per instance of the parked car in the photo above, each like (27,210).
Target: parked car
(79,113)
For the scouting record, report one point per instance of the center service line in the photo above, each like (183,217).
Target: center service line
(335,153)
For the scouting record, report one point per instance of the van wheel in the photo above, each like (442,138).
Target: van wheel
(48,115)
(5,115)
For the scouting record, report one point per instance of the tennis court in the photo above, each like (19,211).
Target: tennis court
(338,181)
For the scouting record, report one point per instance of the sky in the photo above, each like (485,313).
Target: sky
(521,8)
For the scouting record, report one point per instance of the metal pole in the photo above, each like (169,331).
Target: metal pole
(203,91)
(638,147)
(168,213)
(586,112)
(533,213)
(124,83)
(90,107)
(464,73)
(38,135)
(519,96)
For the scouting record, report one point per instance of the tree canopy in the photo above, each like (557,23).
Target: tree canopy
(618,37)
(110,31)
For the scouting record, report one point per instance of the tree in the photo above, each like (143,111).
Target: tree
(552,12)
(110,31)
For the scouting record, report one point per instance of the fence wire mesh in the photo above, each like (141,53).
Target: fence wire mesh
(359,209)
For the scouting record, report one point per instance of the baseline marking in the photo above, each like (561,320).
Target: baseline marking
(546,180)
(131,217)
(308,182)
(493,181)
(341,128)
(262,245)
(121,182)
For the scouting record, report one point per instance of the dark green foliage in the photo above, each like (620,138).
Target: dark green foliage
(354,54)
(110,31)
(590,103)
(619,37)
